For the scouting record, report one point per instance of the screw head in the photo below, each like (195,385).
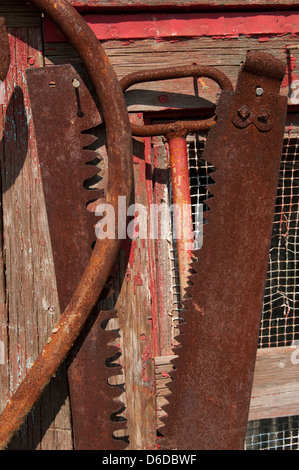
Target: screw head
(259,91)
(76,83)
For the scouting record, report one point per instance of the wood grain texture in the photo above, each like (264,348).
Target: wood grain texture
(137,315)
(227,55)
(19,13)
(276,383)
(29,297)
(164,266)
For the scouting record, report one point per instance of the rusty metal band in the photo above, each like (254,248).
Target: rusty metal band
(179,128)
(118,131)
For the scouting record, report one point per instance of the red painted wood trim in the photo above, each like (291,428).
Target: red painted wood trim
(164,25)
(184,4)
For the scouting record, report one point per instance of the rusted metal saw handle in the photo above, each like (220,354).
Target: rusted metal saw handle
(104,255)
(176,133)
(179,128)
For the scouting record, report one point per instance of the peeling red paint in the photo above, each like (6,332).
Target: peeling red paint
(290,76)
(137,282)
(146,354)
(164,25)
(264,39)
(148,172)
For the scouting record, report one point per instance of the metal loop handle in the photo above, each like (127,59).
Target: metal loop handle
(181,127)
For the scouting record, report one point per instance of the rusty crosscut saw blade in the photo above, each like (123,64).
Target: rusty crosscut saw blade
(63,107)
(212,378)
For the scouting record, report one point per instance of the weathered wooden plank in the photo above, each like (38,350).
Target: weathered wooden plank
(137,317)
(31,298)
(201,4)
(227,55)
(176,25)
(164,266)
(19,13)
(276,383)
(275,389)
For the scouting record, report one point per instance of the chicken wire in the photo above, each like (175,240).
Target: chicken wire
(280,314)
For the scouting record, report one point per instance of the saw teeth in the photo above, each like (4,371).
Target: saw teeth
(208,201)
(87,139)
(94,161)
(113,370)
(92,175)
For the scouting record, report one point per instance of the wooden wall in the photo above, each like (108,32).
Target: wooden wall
(29,304)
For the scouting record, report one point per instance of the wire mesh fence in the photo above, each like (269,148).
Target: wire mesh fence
(273,434)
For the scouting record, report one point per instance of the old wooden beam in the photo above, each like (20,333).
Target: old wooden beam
(161,25)
(182,4)
(226,54)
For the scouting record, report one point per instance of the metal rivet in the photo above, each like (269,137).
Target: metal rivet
(76,83)
(259,91)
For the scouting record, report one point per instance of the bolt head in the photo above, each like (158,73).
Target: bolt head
(263,116)
(244,112)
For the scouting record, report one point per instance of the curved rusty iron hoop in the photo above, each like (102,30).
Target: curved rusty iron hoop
(118,130)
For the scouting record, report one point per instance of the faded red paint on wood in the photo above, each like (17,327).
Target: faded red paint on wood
(136,313)
(161,174)
(148,171)
(226,55)
(172,26)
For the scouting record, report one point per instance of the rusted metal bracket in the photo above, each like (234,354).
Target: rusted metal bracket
(103,257)
(210,394)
